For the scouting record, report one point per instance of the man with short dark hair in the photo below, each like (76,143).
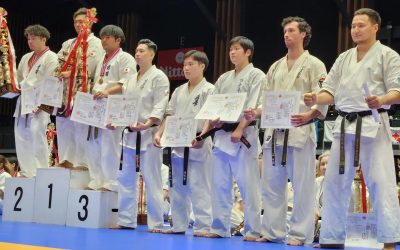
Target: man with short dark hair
(363,82)
(71,136)
(139,153)
(296,71)
(231,159)
(30,130)
(112,72)
(186,101)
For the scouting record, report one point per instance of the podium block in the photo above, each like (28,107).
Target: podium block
(79,179)
(92,209)
(51,195)
(18,199)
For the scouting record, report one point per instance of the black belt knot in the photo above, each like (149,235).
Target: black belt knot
(351,117)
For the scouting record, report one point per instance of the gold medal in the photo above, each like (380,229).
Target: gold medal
(101,80)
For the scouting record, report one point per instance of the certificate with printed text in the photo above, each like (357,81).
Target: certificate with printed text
(121,110)
(88,111)
(29,99)
(179,131)
(51,92)
(361,230)
(278,107)
(227,107)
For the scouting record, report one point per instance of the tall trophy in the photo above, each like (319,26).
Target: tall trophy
(73,61)
(8,71)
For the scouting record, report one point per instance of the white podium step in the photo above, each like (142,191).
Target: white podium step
(93,209)
(51,195)
(79,178)
(18,199)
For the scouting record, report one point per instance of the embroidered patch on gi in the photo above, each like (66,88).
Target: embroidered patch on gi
(298,74)
(240,85)
(196,100)
(321,80)
(37,69)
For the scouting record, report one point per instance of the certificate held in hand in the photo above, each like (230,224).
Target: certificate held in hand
(227,107)
(278,107)
(179,131)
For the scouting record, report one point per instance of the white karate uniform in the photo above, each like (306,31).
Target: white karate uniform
(304,77)
(104,151)
(235,161)
(196,193)
(71,136)
(153,88)
(380,69)
(3,176)
(30,130)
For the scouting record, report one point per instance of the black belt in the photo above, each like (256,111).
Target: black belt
(227,127)
(95,134)
(284,150)
(138,144)
(285,143)
(185,164)
(351,117)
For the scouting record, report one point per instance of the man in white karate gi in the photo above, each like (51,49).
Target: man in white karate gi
(71,136)
(363,83)
(186,101)
(232,159)
(30,129)
(290,153)
(112,72)
(139,153)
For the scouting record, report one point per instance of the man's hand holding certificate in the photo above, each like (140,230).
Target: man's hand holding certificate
(278,107)
(51,92)
(226,107)
(122,110)
(89,111)
(178,131)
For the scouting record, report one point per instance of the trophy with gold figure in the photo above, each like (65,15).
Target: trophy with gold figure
(8,71)
(74,61)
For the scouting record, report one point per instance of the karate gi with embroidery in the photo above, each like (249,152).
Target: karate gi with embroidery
(72,136)
(104,149)
(380,70)
(196,193)
(305,76)
(153,88)
(30,129)
(234,161)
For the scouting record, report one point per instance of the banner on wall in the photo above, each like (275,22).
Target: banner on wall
(171,62)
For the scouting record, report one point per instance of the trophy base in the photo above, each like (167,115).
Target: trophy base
(6,91)
(46,108)
(142,219)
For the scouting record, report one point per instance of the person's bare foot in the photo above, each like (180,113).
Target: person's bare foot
(65,164)
(155,230)
(170,231)
(122,227)
(389,246)
(294,243)
(329,246)
(213,235)
(250,238)
(200,234)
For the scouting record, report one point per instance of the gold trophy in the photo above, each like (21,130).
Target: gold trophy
(7,71)
(78,61)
